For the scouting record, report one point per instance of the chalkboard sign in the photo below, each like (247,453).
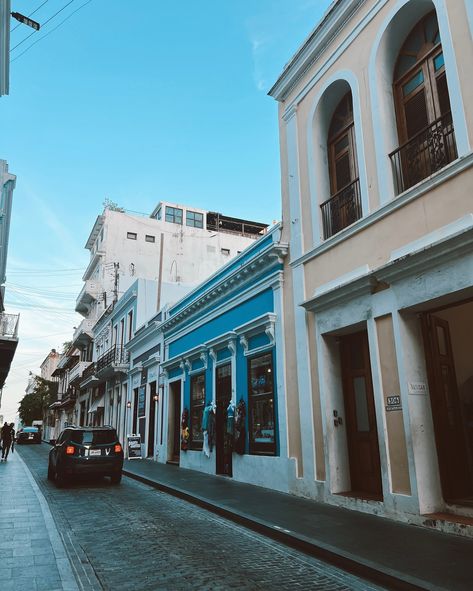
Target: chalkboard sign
(134,447)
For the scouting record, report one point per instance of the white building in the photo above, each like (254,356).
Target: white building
(8,322)
(174,249)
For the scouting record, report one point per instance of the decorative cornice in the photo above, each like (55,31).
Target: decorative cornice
(222,341)
(342,293)
(274,281)
(266,323)
(329,27)
(443,251)
(450,171)
(143,334)
(221,291)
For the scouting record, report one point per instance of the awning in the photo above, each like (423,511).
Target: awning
(96,404)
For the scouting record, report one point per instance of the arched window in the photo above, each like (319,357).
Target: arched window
(344,206)
(423,113)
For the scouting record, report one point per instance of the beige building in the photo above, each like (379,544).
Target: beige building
(376,129)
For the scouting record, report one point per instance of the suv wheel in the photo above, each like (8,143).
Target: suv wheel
(116,478)
(58,478)
(50,471)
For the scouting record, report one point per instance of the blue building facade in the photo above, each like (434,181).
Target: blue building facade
(222,376)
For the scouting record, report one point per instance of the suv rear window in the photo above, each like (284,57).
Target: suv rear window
(94,437)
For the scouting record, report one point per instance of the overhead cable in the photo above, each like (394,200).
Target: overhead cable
(30,14)
(45,23)
(51,31)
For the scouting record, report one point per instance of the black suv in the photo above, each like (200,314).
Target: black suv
(86,450)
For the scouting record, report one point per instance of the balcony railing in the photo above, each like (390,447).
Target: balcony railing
(88,372)
(114,356)
(342,209)
(9,326)
(427,152)
(77,371)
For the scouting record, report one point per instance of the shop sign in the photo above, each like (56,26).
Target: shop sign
(133,444)
(417,388)
(393,403)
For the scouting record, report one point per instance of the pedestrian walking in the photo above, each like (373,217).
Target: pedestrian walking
(6,437)
(13,435)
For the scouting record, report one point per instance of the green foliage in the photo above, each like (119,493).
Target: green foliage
(109,204)
(33,406)
(65,346)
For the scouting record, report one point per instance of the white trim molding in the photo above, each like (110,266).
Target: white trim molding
(265,323)
(383,55)
(317,132)
(452,170)
(330,26)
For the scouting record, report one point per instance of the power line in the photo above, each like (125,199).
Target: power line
(30,14)
(45,23)
(50,270)
(52,30)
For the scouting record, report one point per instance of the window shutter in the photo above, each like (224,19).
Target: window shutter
(442,92)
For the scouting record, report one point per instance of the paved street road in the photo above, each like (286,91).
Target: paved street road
(133,537)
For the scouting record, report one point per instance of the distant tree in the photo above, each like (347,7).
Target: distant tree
(33,405)
(109,204)
(66,346)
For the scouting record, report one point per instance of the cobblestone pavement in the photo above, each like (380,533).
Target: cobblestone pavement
(133,537)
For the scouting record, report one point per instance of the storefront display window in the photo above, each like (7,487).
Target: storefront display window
(261,405)
(197,408)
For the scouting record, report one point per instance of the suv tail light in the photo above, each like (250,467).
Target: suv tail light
(70,450)
(118,448)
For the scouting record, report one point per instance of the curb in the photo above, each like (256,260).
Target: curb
(389,578)
(63,563)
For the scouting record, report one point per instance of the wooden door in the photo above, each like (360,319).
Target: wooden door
(224,447)
(152,419)
(175,420)
(362,433)
(450,439)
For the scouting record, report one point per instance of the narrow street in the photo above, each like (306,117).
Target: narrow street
(134,537)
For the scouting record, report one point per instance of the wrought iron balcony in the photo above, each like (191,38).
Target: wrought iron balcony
(342,209)
(426,153)
(77,371)
(88,294)
(84,333)
(8,343)
(115,359)
(88,376)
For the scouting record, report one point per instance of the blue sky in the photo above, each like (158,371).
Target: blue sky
(137,102)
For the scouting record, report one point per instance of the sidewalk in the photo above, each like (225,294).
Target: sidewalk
(395,555)
(32,555)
